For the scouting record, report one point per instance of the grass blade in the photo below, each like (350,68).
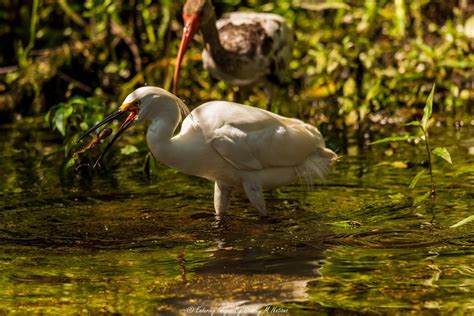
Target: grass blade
(464,221)
(420,199)
(417,178)
(394,139)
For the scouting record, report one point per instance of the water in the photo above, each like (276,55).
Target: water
(116,243)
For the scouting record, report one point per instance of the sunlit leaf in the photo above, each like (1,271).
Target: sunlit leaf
(443,153)
(400,18)
(17,190)
(373,91)
(128,150)
(320,91)
(394,139)
(349,87)
(428,109)
(84,126)
(463,222)
(425,49)
(413,123)
(77,100)
(311,5)
(417,178)
(399,164)
(60,118)
(420,199)
(70,162)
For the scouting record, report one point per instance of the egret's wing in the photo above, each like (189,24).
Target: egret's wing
(252,139)
(231,143)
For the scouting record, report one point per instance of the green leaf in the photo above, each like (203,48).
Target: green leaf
(373,91)
(443,153)
(128,150)
(349,88)
(427,111)
(464,221)
(60,118)
(413,123)
(420,199)
(52,110)
(417,178)
(321,6)
(84,126)
(394,139)
(70,163)
(17,190)
(79,100)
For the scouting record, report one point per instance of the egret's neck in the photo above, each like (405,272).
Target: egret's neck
(163,126)
(160,136)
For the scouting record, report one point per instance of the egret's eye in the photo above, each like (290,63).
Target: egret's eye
(137,102)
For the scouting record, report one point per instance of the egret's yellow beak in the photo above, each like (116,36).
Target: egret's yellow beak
(130,107)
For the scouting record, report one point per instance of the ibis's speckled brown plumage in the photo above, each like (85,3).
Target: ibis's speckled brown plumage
(244,49)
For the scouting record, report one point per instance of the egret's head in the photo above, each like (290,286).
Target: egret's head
(195,14)
(139,107)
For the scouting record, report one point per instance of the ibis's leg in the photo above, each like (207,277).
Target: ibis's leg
(255,196)
(221,198)
(268,88)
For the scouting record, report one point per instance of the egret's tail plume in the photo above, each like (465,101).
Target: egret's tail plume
(316,166)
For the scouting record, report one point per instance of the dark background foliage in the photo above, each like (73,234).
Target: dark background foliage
(352,58)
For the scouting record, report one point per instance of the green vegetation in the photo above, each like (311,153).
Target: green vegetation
(442,152)
(351,59)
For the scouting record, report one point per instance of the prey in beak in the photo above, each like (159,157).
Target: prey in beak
(131,108)
(191,25)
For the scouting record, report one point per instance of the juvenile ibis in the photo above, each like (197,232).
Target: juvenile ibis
(234,145)
(244,49)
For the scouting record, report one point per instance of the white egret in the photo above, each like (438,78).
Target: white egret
(244,49)
(234,145)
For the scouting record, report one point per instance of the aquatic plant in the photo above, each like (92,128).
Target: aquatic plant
(442,152)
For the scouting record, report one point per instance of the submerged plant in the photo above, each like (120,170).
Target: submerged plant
(442,152)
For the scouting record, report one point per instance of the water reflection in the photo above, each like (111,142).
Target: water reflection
(116,243)
(246,278)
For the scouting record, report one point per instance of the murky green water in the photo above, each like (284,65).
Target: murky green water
(119,244)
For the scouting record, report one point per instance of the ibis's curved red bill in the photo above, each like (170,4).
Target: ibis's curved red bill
(191,25)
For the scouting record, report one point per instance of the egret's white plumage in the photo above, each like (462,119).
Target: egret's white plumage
(234,145)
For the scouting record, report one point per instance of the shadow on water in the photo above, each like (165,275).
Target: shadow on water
(119,244)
